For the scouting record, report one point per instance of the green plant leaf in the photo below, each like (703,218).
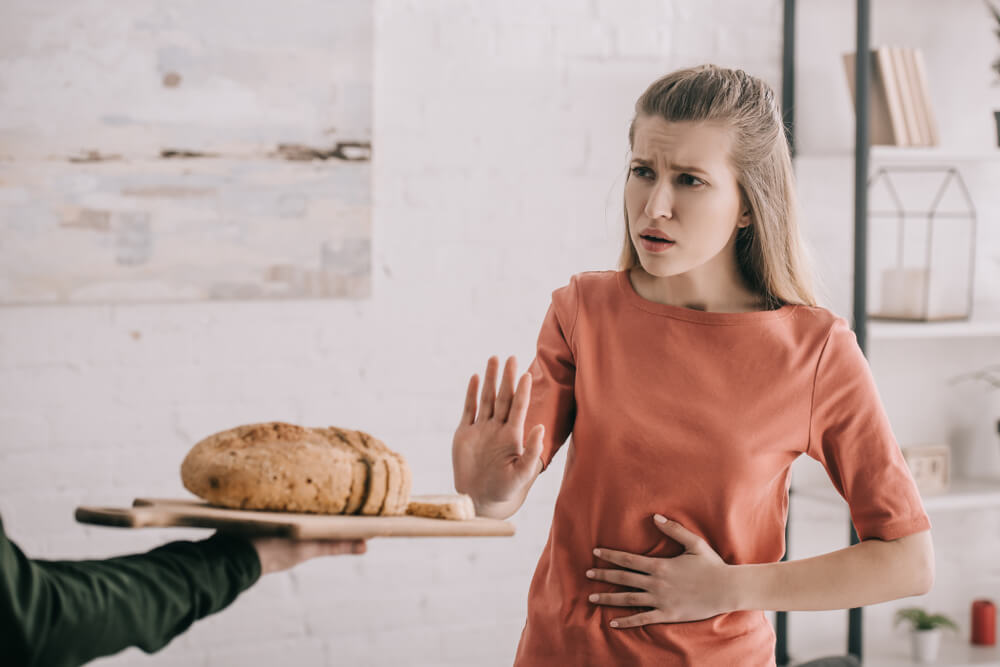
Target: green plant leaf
(921,620)
(940,620)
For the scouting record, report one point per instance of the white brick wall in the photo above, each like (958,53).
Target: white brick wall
(499,155)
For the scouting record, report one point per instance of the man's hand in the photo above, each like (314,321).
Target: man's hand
(279,553)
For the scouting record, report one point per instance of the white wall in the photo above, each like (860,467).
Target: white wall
(499,154)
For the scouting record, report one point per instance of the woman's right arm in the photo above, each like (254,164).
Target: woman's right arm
(494,461)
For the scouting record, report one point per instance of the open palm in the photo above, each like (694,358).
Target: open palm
(492,462)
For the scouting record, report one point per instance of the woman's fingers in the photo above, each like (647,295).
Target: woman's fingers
(620,577)
(506,394)
(635,599)
(469,411)
(519,405)
(645,618)
(532,452)
(627,560)
(489,390)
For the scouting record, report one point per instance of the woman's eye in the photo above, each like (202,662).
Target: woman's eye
(642,172)
(687,178)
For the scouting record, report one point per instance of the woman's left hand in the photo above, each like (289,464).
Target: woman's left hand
(689,587)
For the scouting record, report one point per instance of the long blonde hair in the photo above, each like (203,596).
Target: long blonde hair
(770,252)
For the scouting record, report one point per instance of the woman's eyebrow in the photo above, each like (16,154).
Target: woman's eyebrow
(675,167)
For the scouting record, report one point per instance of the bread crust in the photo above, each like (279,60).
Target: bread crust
(284,467)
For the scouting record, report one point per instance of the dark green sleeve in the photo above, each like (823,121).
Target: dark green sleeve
(63,613)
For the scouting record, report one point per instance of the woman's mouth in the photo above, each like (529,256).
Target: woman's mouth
(655,244)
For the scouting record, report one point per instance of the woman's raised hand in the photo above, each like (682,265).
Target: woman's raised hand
(491,460)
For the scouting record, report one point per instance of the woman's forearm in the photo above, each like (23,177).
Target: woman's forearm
(867,573)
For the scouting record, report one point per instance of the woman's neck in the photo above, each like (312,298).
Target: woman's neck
(686,292)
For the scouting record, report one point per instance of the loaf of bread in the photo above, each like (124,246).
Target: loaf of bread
(454,507)
(283,467)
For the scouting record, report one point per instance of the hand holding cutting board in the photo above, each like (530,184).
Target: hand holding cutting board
(280,553)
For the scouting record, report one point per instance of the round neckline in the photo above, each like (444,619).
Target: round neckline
(692,315)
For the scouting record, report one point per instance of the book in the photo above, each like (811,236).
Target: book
(906,96)
(886,126)
(883,60)
(925,98)
(919,106)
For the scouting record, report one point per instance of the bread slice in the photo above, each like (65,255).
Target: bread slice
(399,477)
(273,466)
(454,507)
(389,477)
(377,484)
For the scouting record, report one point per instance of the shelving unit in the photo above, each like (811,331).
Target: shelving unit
(964,493)
(886,330)
(955,652)
(905,155)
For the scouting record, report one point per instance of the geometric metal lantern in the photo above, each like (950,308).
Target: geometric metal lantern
(921,258)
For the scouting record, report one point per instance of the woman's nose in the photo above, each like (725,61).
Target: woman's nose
(660,203)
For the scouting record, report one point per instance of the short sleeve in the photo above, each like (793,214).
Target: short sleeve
(851,436)
(553,373)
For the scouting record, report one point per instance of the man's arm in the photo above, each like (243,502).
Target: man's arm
(58,613)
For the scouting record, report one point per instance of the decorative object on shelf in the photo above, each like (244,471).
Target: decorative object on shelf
(922,261)
(972,413)
(996,63)
(984,623)
(930,466)
(990,375)
(900,111)
(925,632)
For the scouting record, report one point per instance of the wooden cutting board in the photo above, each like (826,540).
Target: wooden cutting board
(158,512)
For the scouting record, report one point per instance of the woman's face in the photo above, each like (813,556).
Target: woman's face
(681,186)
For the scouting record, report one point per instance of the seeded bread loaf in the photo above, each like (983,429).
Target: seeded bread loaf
(283,467)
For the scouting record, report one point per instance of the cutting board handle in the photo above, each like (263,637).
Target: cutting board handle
(125,517)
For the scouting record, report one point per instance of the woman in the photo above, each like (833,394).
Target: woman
(691,379)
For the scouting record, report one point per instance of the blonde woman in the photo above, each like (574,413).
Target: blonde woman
(690,380)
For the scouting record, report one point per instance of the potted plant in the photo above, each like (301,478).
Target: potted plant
(996,63)
(925,632)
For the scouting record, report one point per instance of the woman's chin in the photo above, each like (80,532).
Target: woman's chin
(656,267)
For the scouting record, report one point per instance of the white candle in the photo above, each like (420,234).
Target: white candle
(903,293)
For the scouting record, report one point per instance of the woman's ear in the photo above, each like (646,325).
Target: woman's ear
(746,219)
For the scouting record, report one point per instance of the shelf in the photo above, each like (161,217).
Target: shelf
(956,651)
(936,154)
(886,330)
(884,154)
(963,494)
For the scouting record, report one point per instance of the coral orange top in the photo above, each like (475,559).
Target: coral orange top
(698,416)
